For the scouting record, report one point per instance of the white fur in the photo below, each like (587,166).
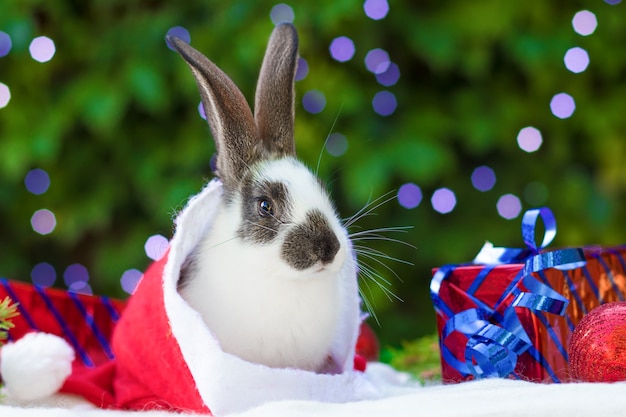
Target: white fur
(35,366)
(259,307)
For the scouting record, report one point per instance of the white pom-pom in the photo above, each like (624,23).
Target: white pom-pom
(35,366)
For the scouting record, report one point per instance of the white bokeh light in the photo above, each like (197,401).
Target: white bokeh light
(42,49)
(562,105)
(5,95)
(43,221)
(576,60)
(584,23)
(529,139)
(156,246)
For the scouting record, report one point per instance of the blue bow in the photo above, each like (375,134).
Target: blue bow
(496,340)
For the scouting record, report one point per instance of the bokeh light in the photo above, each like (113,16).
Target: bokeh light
(314,101)
(281,13)
(5,44)
(535,193)
(43,221)
(377,61)
(5,95)
(562,105)
(42,49)
(201,111)
(156,246)
(612,2)
(130,279)
(529,139)
(376,9)
(390,76)
(81,287)
(443,200)
(179,32)
(75,273)
(509,206)
(576,60)
(384,103)
(483,178)
(342,49)
(37,181)
(336,144)
(302,70)
(584,22)
(43,274)
(409,195)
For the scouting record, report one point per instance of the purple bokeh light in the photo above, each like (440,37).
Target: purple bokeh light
(342,49)
(377,61)
(529,139)
(37,181)
(42,49)
(314,101)
(584,23)
(409,195)
(612,2)
(576,60)
(43,221)
(5,44)
(384,103)
(336,144)
(483,178)
(376,9)
(302,70)
(390,76)
(562,105)
(201,111)
(282,13)
(156,246)
(130,279)
(509,206)
(5,95)
(75,273)
(43,274)
(179,32)
(443,200)
(81,287)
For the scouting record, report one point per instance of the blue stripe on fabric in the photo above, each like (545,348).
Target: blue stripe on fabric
(115,316)
(562,350)
(104,343)
(611,277)
(574,291)
(20,307)
(538,357)
(64,327)
(480,278)
(592,284)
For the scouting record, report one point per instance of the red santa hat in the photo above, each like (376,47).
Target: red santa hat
(167,358)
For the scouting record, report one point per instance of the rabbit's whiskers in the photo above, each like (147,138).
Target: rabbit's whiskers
(372,261)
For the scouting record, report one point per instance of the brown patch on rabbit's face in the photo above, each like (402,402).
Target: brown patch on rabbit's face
(310,243)
(266,209)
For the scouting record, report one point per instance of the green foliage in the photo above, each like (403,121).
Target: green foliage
(112,118)
(419,357)
(8,311)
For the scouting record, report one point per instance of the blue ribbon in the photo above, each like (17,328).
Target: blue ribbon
(496,340)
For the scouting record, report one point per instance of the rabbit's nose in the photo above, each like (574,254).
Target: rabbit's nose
(311,243)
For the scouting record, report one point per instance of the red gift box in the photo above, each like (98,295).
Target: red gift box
(514,317)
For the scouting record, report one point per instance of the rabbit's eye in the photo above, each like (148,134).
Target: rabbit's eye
(266,208)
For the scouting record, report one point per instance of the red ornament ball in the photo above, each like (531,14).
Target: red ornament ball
(367,344)
(597,350)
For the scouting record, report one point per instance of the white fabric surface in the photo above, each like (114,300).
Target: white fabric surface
(481,398)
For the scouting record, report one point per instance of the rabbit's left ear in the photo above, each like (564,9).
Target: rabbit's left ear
(275,93)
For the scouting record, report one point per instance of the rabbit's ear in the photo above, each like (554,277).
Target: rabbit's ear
(274,101)
(229,115)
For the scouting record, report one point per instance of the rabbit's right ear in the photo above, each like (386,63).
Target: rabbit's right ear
(228,113)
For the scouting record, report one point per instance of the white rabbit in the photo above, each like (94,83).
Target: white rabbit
(266,277)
